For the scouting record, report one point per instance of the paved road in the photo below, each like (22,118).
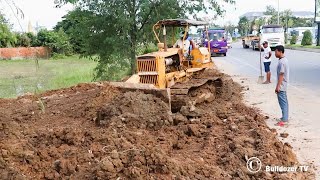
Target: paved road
(304,66)
(303,93)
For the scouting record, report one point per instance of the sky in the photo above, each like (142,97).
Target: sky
(42,12)
(45,14)
(243,6)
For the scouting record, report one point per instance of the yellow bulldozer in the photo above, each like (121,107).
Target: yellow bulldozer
(170,70)
(170,65)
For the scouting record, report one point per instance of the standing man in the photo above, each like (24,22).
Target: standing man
(281,88)
(267,61)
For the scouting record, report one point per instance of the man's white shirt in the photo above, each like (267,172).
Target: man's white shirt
(266,54)
(186,45)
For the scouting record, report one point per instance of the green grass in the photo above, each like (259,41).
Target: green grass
(300,46)
(18,77)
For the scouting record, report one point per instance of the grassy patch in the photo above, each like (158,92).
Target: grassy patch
(21,76)
(300,46)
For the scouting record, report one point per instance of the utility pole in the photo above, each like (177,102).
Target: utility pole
(278,12)
(318,35)
(317,19)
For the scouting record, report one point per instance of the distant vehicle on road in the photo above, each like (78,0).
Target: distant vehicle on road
(218,41)
(229,40)
(273,34)
(247,40)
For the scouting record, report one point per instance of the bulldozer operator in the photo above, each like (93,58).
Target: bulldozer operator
(184,43)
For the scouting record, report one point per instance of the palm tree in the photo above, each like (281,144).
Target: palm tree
(286,16)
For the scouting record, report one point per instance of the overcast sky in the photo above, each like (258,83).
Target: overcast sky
(42,12)
(243,6)
(45,14)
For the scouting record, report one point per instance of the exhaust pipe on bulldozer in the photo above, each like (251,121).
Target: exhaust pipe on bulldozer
(165,39)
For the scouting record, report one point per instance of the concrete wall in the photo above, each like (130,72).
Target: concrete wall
(25,53)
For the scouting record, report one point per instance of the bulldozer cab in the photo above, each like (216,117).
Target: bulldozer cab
(170,26)
(170,65)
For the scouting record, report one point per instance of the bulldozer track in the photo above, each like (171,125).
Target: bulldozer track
(183,88)
(180,91)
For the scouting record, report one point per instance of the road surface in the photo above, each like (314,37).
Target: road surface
(303,94)
(304,66)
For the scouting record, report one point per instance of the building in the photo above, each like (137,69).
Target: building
(253,15)
(30,28)
(300,30)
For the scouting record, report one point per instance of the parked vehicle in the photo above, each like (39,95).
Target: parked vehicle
(218,41)
(273,34)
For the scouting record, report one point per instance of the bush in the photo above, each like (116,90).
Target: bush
(33,39)
(112,68)
(23,40)
(294,39)
(7,38)
(307,38)
(26,40)
(57,41)
(56,56)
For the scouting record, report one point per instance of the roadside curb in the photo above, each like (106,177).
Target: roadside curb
(304,49)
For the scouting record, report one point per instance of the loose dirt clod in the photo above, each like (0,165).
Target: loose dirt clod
(95,131)
(284,135)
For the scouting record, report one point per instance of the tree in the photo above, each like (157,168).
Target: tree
(7,38)
(273,13)
(286,16)
(244,26)
(290,23)
(75,25)
(307,38)
(116,28)
(260,22)
(57,41)
(270,10)
(302,22)
(229,27)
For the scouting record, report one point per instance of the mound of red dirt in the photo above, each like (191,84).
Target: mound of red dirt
(95,131)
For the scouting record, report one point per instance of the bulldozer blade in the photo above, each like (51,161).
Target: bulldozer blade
(163,94)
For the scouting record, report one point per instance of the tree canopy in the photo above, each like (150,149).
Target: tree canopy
(113,28)
(287,20)
(7,38)
(244,26)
